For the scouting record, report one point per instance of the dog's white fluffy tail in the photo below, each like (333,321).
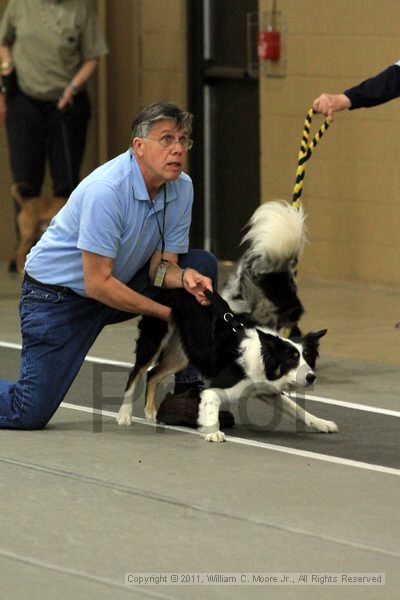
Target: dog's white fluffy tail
(277,233)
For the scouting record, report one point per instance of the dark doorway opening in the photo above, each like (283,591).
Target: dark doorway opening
(223,95)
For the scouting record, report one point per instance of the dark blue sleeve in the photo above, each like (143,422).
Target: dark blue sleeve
(379,89)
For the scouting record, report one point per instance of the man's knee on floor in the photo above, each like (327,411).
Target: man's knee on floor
(30,421)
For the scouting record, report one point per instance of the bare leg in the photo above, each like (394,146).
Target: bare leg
(28,230)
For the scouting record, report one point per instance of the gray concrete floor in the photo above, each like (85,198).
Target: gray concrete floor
(81,507)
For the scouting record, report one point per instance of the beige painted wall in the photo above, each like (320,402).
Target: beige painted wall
(352,183)
(147,61)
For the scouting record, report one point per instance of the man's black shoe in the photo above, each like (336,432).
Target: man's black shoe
(183,409)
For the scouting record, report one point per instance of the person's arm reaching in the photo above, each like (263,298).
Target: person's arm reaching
(376,90)
(191,280)
(328,104)
(102,286)
(373,91)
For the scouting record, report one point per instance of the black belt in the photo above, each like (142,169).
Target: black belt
(49,286)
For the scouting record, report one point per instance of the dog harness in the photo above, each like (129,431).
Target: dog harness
(222,310)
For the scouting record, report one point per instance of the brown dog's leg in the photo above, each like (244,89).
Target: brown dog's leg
(173,360)
(125,412)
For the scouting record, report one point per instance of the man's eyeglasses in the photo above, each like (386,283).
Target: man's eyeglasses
(166,141)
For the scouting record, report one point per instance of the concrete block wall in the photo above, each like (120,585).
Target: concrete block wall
(163,50)
(352,185)
(147,61)
(122,83)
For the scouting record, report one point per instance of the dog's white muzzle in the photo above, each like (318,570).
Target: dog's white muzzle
(303,376)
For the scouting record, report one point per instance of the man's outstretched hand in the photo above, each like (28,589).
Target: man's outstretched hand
(195,283)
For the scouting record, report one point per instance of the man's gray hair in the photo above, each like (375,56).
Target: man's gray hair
(160,111)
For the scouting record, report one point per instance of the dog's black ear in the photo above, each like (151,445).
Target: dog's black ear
(279,356)
(310,344)
(274,346)
(269,354)
(269,343)
(319,334)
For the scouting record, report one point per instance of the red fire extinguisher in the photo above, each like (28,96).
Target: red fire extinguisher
(269,42)
(269,45)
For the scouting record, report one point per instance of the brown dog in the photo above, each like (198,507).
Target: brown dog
(33,218)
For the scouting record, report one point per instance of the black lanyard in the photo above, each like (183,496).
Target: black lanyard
(163,221)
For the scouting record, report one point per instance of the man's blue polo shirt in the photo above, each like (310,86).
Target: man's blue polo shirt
(110,213)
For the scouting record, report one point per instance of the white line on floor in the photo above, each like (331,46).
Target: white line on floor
(342,403)
(76,573)
(355,406)
(92,359)
(246,442)
(10,345)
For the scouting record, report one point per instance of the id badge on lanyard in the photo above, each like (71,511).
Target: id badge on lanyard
(160,274)
(162,267)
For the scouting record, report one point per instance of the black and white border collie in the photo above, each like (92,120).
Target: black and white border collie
(263,283)
(232,363)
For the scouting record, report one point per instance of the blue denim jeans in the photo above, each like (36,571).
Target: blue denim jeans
(58,330)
